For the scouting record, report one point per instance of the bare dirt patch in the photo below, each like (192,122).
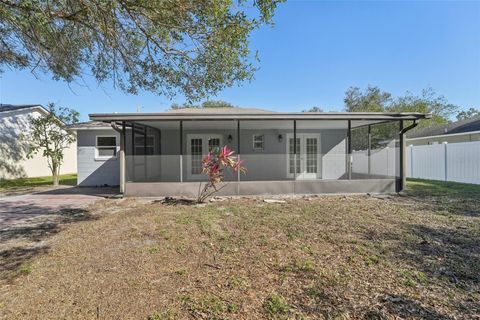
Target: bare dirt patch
(343,257)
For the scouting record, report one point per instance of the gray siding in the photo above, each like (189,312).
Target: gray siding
(91,171)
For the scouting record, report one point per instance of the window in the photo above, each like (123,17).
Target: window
(106,147)
(140,145)
(258,141)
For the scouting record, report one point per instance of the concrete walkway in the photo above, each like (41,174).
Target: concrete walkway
(20,209)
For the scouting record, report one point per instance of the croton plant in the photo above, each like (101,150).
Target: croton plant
(214,165)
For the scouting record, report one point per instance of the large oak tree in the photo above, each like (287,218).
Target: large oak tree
(194,47)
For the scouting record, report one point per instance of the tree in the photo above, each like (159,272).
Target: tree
(313,109)
(376,100)
(468,114)
(372,100)
(195,47)
(51,136)
(427,102)
(206,104)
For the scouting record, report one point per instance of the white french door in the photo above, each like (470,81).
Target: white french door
(307,164)
(198,146)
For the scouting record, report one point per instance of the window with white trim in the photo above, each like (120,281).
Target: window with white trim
(140,145)
(106,147)
(258,141)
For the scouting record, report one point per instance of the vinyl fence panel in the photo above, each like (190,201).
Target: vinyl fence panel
(458,162)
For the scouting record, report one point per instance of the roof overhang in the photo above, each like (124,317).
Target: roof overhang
(386,116)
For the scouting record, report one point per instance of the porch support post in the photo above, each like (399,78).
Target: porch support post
(402,180)
(238,156)
(122,158)
(145,152)
(133,138)
(181,151)
(133,152)
(369,153)
(294,155)
(349,150)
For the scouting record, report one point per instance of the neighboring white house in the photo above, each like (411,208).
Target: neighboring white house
(460,131)
(14,124)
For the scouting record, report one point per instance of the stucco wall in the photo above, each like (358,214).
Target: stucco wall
(13,148)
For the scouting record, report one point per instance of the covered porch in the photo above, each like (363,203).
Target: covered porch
(284,154)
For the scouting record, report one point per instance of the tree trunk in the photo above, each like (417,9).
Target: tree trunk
(55,175)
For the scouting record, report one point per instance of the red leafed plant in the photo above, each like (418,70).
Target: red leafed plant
(214,166)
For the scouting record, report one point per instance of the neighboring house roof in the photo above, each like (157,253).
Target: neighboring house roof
(253,114)
(89,125)
(13,107)
(462,126)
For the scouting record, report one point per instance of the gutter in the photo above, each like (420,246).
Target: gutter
(410,127)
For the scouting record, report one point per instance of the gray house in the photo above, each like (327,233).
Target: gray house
(160,154)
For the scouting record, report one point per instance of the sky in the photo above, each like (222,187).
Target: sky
(313,54)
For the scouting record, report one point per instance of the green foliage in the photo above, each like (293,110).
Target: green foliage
(26,268)
(372,100)
(195,47)
(468,114)
(427,102)
(51,136)
(275,306)
(313,109)
(204,105)
(376,100)
(165,315)
(208,305)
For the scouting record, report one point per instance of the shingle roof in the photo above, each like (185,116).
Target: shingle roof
(218,111)
(462,126)
(89,124)
(12,107)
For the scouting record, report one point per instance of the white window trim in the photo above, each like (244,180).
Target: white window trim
(103,158)
(205,137)
(303,175)
(148,146)
(263,141)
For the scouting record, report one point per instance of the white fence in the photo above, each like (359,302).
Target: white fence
(459,162)
(382,162)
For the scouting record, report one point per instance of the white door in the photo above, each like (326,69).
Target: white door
(308,156)
(198,146)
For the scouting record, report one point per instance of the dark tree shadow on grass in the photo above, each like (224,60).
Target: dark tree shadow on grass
(26,239)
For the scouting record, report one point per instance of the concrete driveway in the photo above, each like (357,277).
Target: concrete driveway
(22,209)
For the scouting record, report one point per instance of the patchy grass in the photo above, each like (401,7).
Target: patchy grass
(441,188)
(275,307)
(412,256)
(24,183)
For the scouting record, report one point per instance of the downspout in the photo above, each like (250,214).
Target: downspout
(403,163)
(122,154)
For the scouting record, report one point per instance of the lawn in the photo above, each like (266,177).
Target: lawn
(413,256)
(28,183)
